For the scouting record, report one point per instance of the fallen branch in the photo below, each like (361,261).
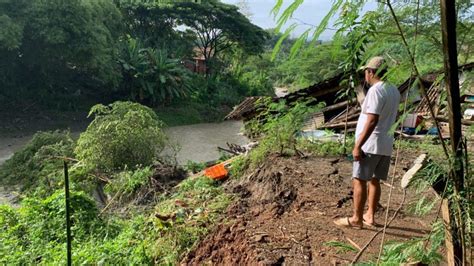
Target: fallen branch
(227,150)
(110,203)
(353,243)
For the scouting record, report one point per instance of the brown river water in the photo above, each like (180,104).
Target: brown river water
(196,142)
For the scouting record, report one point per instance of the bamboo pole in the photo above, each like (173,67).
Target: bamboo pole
(68,215)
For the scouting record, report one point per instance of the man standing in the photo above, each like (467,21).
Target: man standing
(373,144)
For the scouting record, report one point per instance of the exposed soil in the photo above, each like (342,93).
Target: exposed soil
(284,214)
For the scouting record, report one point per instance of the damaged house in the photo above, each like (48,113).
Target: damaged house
(341,113)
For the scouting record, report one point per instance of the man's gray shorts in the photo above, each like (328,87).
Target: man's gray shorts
(372,165)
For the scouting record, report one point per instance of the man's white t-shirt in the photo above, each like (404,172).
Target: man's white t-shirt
(381,99)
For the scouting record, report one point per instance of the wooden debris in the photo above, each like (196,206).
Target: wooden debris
(447,227)
(237,149)
(417,165)
(227,150)
(463,121)
(244,109)
(340,125)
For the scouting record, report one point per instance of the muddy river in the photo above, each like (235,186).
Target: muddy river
(196,142)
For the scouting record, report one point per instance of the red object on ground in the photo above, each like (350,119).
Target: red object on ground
(216,172)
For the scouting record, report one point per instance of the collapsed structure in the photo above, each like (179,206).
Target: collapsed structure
(342,113)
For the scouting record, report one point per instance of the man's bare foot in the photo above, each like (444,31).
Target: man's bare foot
(368,219)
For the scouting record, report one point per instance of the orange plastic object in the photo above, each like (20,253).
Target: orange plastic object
(216,172)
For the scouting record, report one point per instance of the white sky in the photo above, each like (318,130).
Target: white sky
(311,12)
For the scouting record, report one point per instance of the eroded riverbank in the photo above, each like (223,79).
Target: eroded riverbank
(196,142)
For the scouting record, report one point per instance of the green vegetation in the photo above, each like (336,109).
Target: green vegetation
(126,183)
(116,157)
(35,163)
(195,167)
(121,134)
(122,50)
(32,68)
(35,233)
(143,67)
(342,247)
(189,63)
(278,128)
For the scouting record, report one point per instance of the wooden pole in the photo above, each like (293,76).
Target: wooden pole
(68,215)
(448,31)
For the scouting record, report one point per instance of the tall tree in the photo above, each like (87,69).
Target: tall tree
(50,46)
(155,26)
(219,27)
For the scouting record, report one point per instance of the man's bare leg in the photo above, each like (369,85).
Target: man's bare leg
(374,198)
(360,196)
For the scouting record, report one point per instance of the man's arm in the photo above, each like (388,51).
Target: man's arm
(370,124)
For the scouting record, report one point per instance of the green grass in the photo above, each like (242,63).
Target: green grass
(341,247)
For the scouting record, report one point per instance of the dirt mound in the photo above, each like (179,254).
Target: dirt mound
(228,245)
(284,212)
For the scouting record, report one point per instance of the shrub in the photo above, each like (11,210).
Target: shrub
(121,134)
(37,159)
(37,232)
(279,125)
(128,182)
(49,216)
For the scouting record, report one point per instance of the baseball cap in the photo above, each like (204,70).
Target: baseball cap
(377,62)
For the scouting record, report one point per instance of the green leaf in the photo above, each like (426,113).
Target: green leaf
(276,9)
(298,44)
(162,79)
(324,22)
(287,14)
(285,35)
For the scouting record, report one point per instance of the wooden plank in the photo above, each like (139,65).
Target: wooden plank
(349,118)
(448,232)
(417,165)
(334,107)
(463,121)
(340,125)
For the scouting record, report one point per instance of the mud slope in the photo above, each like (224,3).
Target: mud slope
(284,212)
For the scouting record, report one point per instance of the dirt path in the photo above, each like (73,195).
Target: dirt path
(284,215)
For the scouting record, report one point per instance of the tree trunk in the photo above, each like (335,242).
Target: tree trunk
(454,238)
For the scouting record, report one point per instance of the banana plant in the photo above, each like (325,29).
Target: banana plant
(152,75)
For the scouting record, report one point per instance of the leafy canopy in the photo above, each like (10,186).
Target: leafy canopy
(219,27)
(54,46)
